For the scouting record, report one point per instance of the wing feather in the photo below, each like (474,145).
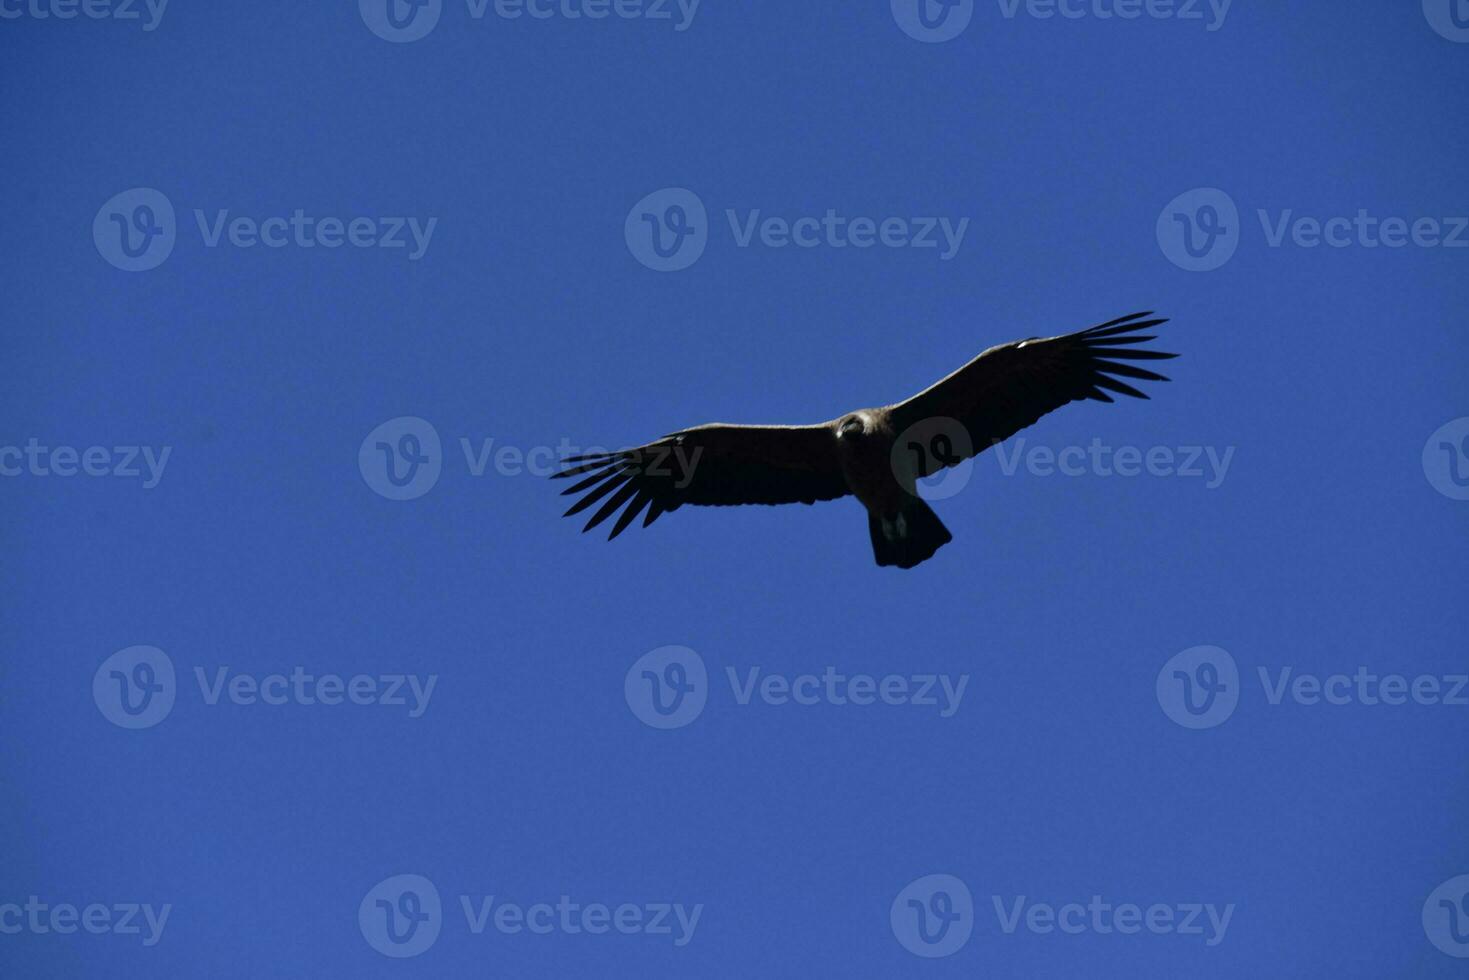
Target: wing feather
(1010,387)
(597,494)
(710,465)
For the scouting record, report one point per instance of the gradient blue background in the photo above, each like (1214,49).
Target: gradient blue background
(529,322)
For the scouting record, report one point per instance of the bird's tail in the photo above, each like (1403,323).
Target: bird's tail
(909,537)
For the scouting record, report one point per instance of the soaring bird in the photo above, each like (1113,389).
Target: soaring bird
(875,454)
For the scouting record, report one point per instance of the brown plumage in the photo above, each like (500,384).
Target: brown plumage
(992,397)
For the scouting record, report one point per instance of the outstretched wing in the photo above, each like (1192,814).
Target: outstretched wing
(716,465)
(1011,386)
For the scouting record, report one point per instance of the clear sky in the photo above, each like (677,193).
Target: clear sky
(1295,498)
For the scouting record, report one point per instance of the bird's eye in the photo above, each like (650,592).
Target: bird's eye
(852,427)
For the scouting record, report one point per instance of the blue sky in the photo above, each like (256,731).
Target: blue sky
(233,541)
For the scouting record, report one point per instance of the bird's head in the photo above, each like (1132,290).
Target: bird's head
(852,428)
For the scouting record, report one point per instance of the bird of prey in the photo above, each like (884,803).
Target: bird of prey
(869,453)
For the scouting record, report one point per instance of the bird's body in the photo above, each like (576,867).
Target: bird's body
(863,442)
(877,455)
(904,529)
